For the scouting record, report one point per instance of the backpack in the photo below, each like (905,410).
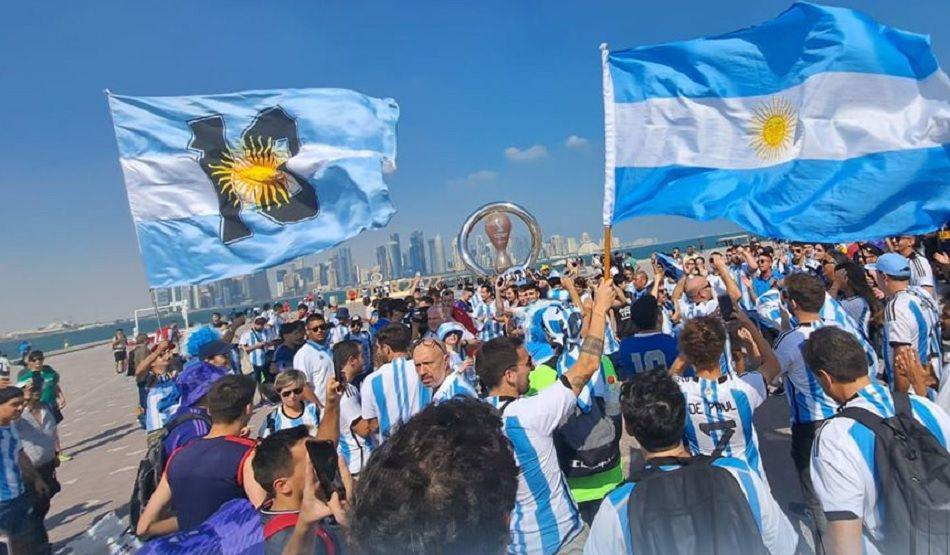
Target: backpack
(697,508)
(913,480)
(588,443)
(289,520)
(152,466)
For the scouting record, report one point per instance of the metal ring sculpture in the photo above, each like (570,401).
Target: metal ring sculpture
(503,262)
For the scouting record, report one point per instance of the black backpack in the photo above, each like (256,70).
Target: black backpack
(913,476)
(695,509)
(588,443)
(152,466)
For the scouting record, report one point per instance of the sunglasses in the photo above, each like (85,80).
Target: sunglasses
(427,343)
(289,392)
(321,327)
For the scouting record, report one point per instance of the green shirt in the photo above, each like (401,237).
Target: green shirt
(595,486)
(50,383)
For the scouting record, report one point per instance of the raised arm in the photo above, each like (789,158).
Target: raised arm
(593,346)
(719,262)
(770,367)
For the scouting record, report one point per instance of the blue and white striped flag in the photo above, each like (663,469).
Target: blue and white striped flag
(820,125)
(225,185)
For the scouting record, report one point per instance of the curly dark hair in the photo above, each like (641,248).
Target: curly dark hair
(654,410)
(703,340)
(445,482)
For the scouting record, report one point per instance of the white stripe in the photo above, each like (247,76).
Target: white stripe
(610,137)
(172,186)
(840,116)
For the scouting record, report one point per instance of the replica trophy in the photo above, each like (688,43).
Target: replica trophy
(498,231)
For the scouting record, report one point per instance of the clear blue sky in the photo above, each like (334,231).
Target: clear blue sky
(472,79)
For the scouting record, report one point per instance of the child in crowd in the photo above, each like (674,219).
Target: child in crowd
(293,410)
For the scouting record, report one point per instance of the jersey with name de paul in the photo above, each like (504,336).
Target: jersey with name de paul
(545,516)
(842,458)
(610,530)
(719,413)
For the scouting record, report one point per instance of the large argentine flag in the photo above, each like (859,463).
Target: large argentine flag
(820,125)
(225,185)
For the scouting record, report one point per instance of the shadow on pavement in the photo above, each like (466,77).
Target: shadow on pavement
(102,438)
(68,515)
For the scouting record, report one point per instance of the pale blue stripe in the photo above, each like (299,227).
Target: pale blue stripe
(803,41)
(530,467)
(801,198)
(925,415)
(379,394)
(747,484)
(923,331)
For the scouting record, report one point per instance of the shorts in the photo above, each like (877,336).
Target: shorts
(119,355)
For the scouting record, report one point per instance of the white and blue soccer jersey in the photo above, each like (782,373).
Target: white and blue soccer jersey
(738,271)
(690,310)
(339,332)
(842,458)
(921,273)
(253,337)
(278,420)
(720,412)
(161,403)
(488,327)
(316,362)
(610,530)
(456,384)
(354,449)
(392,394)
(11,481)
(859,311)
(807,401)
(911,318)
(545,516)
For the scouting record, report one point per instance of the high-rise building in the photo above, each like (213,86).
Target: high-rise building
(323,274)
(572,246)
(346,266)
(456,257)
(384,262)
(258,290)
(417,253)
(395,255)
(436,255)
(333,271)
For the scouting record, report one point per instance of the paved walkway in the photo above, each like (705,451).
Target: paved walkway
(101,433)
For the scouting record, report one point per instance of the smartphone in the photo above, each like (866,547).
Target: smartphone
(325,463)
(726,308)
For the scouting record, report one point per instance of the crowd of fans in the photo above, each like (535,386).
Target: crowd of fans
(487,416)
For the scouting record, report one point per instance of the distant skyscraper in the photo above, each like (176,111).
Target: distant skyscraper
(437,255)
(258,290)
(417,253)
(456,257)
(572,246)
(323,274)
(346,266)
(384,262)
(333,271)
(395,255)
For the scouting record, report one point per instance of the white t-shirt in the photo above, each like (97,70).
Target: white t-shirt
(392,394)
(723,408)
(354,449)
(315,361)
(921,273)
(545,515)
(842,457)
(610,530)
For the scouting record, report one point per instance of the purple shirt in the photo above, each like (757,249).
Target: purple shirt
(188,430)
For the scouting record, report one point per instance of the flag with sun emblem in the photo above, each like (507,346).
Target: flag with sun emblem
(820,125)
(228,184)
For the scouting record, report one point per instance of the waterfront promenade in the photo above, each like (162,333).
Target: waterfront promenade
(101,433)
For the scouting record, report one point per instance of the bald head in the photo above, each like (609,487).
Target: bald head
(697,289)
(431,362)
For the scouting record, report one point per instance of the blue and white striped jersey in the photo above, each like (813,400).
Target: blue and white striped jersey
(807,401)
(354,449)
(11,481)
(738,271)
(278,420)
(392,394)
(842,457)
(610,530)
(545,516)
(456,384)
(921,273)
(859,311)
(721,411)
(488,327)
(912,318)
(690,309)
(253,337)
(161,403)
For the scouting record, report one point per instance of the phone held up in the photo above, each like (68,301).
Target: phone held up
(325,463)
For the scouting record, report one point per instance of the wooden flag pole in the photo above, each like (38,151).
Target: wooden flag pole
(607,241)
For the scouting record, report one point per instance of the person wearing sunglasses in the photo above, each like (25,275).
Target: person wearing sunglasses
(314,359)
(293,409)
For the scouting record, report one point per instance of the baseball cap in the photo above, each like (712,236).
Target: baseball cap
(893,264)
(356,320)
(260,320)
(342,313)
(212,348)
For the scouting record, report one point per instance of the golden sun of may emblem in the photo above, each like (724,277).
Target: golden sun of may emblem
(253,175)
(773,128)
